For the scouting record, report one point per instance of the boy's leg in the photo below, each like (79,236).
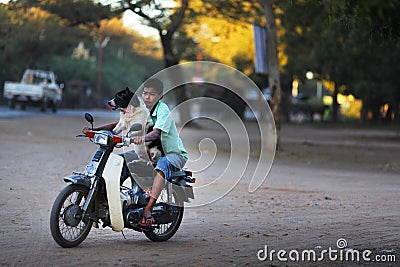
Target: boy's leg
(158,185)
(164,170)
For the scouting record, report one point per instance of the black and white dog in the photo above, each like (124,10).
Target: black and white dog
(133,110)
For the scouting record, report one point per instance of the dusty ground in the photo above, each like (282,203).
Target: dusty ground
(326,183)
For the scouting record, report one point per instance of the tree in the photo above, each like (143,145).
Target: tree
(380,17)
(313,45)
(258,12)
(36,28)
(166,19)
(374,26)
(31,33)
(34,38)
(218,39)
(273,61)
(128,59)
(73,13)
(339,49)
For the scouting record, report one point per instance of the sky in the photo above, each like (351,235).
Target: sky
(131,20)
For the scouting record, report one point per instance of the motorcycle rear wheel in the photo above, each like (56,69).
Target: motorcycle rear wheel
(66,225)
(163,232)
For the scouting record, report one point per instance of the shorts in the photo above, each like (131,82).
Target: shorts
(169,164)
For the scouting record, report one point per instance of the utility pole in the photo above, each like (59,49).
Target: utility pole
(100,47)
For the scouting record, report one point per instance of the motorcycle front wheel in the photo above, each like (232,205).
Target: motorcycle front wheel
(163,232)
(66,224)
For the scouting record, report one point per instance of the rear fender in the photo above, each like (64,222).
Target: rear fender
(185,193)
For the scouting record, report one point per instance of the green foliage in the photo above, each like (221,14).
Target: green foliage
(303,25)
(73,13)
(185,46)
(130,70)
(249,11)
(35,38)
(349,42)
(68,68)
(381,18)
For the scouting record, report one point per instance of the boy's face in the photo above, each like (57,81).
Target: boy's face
(150,97)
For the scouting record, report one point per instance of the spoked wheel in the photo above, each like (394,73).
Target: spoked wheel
(66,224)
(163,232)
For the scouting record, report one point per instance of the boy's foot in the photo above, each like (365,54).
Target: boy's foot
(147,221)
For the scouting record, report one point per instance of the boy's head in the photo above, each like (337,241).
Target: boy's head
(152,92)
(156,84)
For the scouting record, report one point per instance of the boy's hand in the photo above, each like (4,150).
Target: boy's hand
(85,129)
(138,140)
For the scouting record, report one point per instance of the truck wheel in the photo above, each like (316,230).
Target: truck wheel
(12,103)
(43,105)
(53,106)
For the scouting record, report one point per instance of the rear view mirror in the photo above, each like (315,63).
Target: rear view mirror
(136,127)
(89,118)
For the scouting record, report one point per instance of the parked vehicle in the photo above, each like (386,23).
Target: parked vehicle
(307,107)
(37,88)
(97,196)
(254,98)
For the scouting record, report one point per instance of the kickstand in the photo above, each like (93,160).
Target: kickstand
(123,234)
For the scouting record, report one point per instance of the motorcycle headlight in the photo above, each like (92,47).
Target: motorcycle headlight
(100,139)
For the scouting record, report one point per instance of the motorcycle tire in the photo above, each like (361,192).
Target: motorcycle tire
(66,225)
(163,232)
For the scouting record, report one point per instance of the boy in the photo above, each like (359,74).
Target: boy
(165,129)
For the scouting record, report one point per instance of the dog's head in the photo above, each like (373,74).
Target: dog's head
(154,154)
(123,98)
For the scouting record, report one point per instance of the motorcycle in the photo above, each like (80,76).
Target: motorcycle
(96,195)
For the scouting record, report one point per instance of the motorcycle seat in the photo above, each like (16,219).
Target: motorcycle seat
(181,177)
(177,174)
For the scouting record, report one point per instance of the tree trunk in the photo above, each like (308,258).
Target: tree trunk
(166,32)
(170,59)
(396,110)
(273,63)
(335,104)
(364,110)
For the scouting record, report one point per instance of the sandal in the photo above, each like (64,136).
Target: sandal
(147,221)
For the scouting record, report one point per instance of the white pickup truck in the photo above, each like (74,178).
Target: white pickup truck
(37,88)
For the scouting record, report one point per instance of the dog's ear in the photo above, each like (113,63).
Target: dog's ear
(123,98)
(128,92)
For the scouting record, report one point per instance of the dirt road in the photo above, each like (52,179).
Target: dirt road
(326,183)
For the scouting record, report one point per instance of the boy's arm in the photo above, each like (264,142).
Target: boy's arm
(153,135)
(108,127)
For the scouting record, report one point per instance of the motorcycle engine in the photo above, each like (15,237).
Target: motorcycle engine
(162,214)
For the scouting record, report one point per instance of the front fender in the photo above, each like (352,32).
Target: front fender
(111,175)
(78,179)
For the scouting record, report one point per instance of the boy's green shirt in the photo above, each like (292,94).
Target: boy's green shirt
(170,140)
